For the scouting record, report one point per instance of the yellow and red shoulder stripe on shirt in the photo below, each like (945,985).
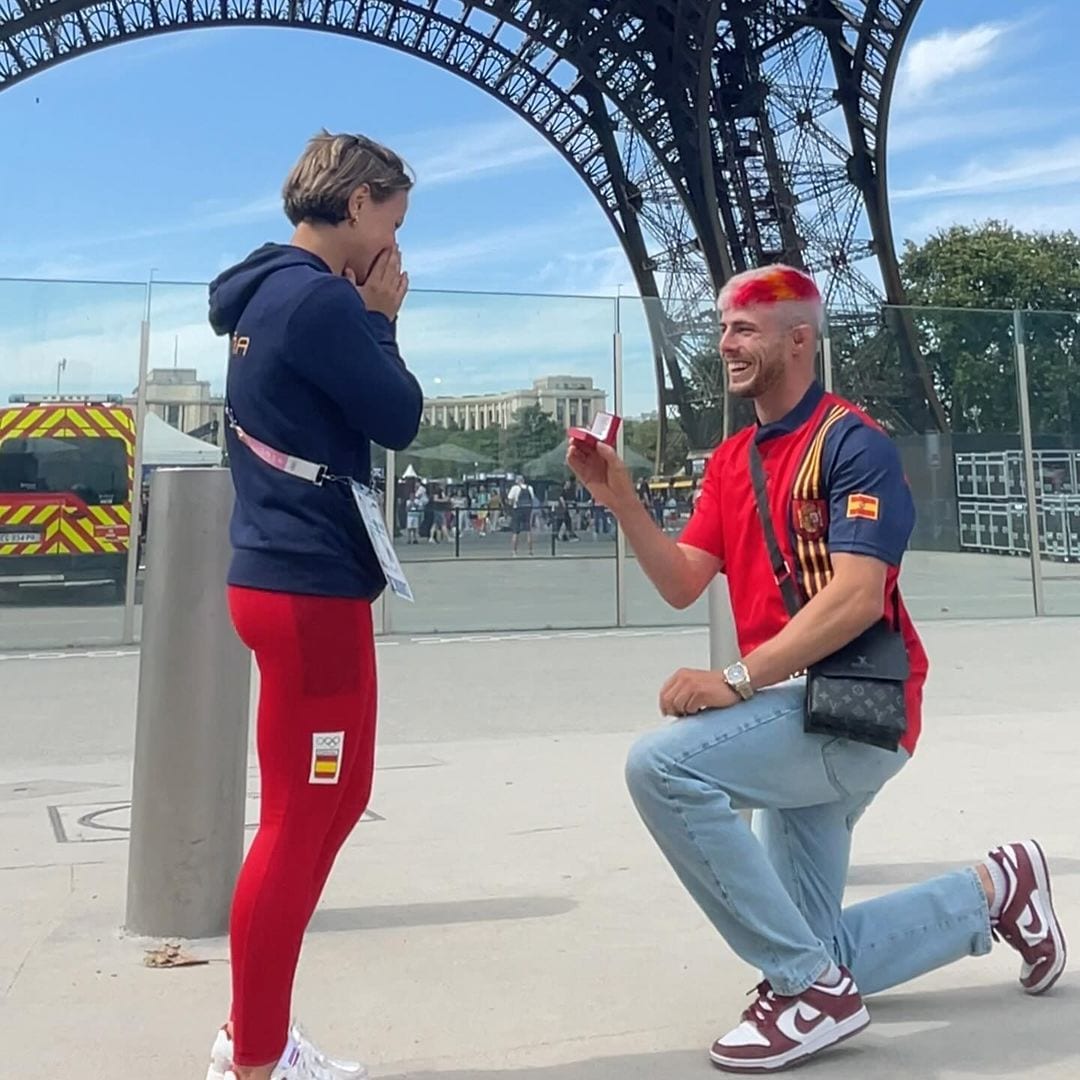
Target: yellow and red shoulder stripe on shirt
(814,569)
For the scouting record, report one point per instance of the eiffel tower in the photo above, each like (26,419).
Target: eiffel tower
(715,134)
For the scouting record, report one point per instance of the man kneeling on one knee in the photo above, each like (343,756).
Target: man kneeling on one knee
(807,512)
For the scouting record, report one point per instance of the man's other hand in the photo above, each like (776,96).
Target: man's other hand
(689,691)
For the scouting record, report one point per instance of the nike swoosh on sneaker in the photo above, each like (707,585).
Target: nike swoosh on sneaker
(806,1026)
(1031,922)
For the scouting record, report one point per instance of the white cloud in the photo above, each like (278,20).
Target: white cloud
(602,271)
(473,248)
(933,60)
(61,267)
(16,262)
(441,157)
(477,343)
(1026,170)
(96,328)
(552,242)
(1042,215)
(218,215)
(472,342)
(454,155)
(920,128)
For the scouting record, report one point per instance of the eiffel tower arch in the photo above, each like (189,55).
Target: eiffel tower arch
(715,134)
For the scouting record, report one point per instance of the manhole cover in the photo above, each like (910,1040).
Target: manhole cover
(90,823)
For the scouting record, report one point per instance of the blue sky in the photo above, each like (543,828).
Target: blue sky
(167,154)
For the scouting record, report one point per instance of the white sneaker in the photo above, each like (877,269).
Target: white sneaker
(220,1057)
(300,1054)
(340,1070)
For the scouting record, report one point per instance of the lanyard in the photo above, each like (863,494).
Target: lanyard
(286,463)
(366,502)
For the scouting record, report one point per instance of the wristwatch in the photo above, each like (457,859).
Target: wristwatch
(738,678)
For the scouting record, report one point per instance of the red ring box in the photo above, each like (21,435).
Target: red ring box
(604,428)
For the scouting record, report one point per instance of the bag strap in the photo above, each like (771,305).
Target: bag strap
(789,590)
(781,571)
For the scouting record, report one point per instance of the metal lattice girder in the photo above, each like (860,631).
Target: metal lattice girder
(715,134)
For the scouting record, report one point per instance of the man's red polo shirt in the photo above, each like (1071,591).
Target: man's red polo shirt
(835,484)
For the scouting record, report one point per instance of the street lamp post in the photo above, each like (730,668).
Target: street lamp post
(61,366)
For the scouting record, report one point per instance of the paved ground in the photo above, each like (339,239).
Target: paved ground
(506,917)
(575,589)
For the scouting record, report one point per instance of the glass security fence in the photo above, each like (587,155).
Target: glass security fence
(493,531)
(489,524)
(1052,358)
(185,388)
(943,383)
(667,453)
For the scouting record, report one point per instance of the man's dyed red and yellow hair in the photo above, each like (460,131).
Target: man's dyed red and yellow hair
(778,284)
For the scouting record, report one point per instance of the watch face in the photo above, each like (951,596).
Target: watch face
(737,673)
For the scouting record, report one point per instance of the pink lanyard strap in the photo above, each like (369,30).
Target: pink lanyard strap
(286,463)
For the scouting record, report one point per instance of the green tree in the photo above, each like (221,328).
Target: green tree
(531,434)
(987,271)
(868,370)
(486,442)
(640,435)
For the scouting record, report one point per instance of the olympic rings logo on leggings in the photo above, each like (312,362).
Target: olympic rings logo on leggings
(326,749)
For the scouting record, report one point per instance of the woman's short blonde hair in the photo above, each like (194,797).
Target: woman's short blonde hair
(331,168)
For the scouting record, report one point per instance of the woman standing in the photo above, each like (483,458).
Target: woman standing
(314,376)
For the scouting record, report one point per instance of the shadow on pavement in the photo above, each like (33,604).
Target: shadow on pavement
(911,873)
(664,1066)
(981,1031)
(670,1065)
(499,909)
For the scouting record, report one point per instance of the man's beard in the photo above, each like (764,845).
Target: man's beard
(769,371)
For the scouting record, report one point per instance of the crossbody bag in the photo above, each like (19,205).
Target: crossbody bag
(857,692)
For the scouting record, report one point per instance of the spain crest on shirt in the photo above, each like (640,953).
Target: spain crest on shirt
(810,518)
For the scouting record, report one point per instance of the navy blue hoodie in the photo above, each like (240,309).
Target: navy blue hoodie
(314,374)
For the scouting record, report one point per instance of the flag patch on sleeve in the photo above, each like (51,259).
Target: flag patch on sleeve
(863,506)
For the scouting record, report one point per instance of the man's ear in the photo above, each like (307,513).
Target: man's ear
(801,334)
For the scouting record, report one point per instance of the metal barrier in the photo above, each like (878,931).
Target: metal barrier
(992,503)
(191,736)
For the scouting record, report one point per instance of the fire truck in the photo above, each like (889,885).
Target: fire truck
(67,465)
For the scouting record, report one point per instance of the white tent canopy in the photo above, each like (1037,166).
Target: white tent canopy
(165,445)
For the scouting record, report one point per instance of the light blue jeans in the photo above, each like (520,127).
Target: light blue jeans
(775,893)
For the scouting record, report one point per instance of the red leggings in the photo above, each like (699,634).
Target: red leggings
(316,659)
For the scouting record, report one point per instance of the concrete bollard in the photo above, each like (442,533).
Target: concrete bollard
(723,646)
(190,776)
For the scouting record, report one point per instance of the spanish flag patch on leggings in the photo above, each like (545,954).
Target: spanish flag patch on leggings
(326,747)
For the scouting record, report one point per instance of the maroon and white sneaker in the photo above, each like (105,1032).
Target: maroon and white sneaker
(778,1032)
(1027,920)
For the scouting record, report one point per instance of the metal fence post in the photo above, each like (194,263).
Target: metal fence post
(620,446)
(826,359)
(191,735)
(385,616)
(132,577)
(1029,462)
